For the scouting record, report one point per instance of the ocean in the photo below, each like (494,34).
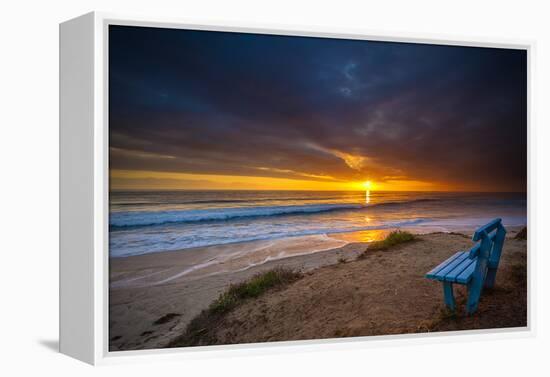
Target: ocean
(153,221)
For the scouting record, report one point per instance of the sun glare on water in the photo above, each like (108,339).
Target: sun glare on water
(368,186)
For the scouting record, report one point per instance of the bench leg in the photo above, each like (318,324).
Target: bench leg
(474,294)
(490,277)
(449,296)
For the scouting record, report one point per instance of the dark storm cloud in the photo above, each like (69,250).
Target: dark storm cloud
(244,104)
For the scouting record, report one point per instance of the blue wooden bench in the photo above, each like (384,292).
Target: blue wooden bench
(475,268)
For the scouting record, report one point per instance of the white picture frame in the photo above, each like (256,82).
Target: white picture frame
(84,192)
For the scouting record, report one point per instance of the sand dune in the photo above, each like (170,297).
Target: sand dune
(384,293)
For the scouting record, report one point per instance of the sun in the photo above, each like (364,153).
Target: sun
(367,185)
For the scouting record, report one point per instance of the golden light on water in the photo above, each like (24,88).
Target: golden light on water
(368,185)
(363,235)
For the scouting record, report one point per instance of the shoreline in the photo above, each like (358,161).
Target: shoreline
(141,301)
(166,266)
(134,309)
(160,267)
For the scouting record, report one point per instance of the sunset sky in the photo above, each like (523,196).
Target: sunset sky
(202,110)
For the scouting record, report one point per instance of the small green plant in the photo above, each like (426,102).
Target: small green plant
(254,287)
(200,329)
(394,238)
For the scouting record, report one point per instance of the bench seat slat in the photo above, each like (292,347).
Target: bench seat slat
(466,275)
(432,274)
(451,266)
(461,267)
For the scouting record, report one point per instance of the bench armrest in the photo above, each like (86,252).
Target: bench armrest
(474,251)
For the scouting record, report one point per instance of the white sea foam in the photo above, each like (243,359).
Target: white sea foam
(253,256)
(136,243)
(135,218)
(185,220)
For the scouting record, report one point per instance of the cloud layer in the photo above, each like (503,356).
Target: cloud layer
(214,103)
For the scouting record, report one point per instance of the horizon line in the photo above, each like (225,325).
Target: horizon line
(201,190)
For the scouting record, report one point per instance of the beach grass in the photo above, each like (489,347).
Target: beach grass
(235,295)
(395,237)
(253,287)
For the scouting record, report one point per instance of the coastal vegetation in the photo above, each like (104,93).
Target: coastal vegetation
(522,234)
(394,238)
(208,320)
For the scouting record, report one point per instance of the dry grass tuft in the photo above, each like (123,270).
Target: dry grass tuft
(522,234)
(395,238)
(199,330)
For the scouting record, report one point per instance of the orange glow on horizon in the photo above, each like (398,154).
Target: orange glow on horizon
(155,180)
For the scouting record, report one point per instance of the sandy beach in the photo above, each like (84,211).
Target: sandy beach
(153,297)
(144,288)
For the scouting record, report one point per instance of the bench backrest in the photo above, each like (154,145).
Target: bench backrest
(491,239)
(488,250)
